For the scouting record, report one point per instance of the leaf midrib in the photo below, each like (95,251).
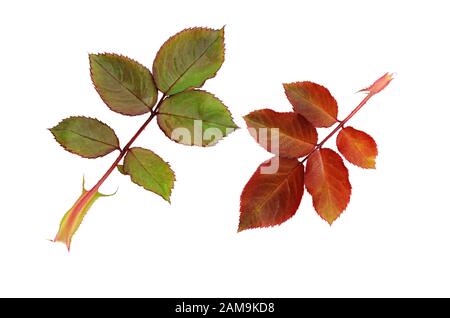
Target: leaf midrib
(317,106)
(284,134)
(327,185)
(357,146)
(87,137)
(193,118)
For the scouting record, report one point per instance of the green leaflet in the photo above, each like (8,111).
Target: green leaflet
(86,137)
(188,59)
(126,86)
(149,171)
(195,118)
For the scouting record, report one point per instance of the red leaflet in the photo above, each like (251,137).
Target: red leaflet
(357,147)
(312,101)
(326,179)
(286,134)
(271,199)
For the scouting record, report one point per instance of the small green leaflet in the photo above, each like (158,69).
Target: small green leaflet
(149,171)
(188,59)
(86,137)
(195,118)
(126,86)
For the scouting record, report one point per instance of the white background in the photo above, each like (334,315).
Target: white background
(393,239)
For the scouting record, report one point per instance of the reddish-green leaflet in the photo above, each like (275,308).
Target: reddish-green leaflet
(274,192)
(184,113)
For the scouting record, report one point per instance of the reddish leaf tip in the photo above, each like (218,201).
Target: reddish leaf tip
(379,84)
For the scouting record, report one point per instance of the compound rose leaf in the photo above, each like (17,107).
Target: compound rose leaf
(326,179)
(357,147)
(288,135)
(272,197)
(188,59)
(312,101)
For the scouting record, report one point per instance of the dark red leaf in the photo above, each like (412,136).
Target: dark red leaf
(296,136)
(326,179)
(357,147)
(312,101)
(271,199)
